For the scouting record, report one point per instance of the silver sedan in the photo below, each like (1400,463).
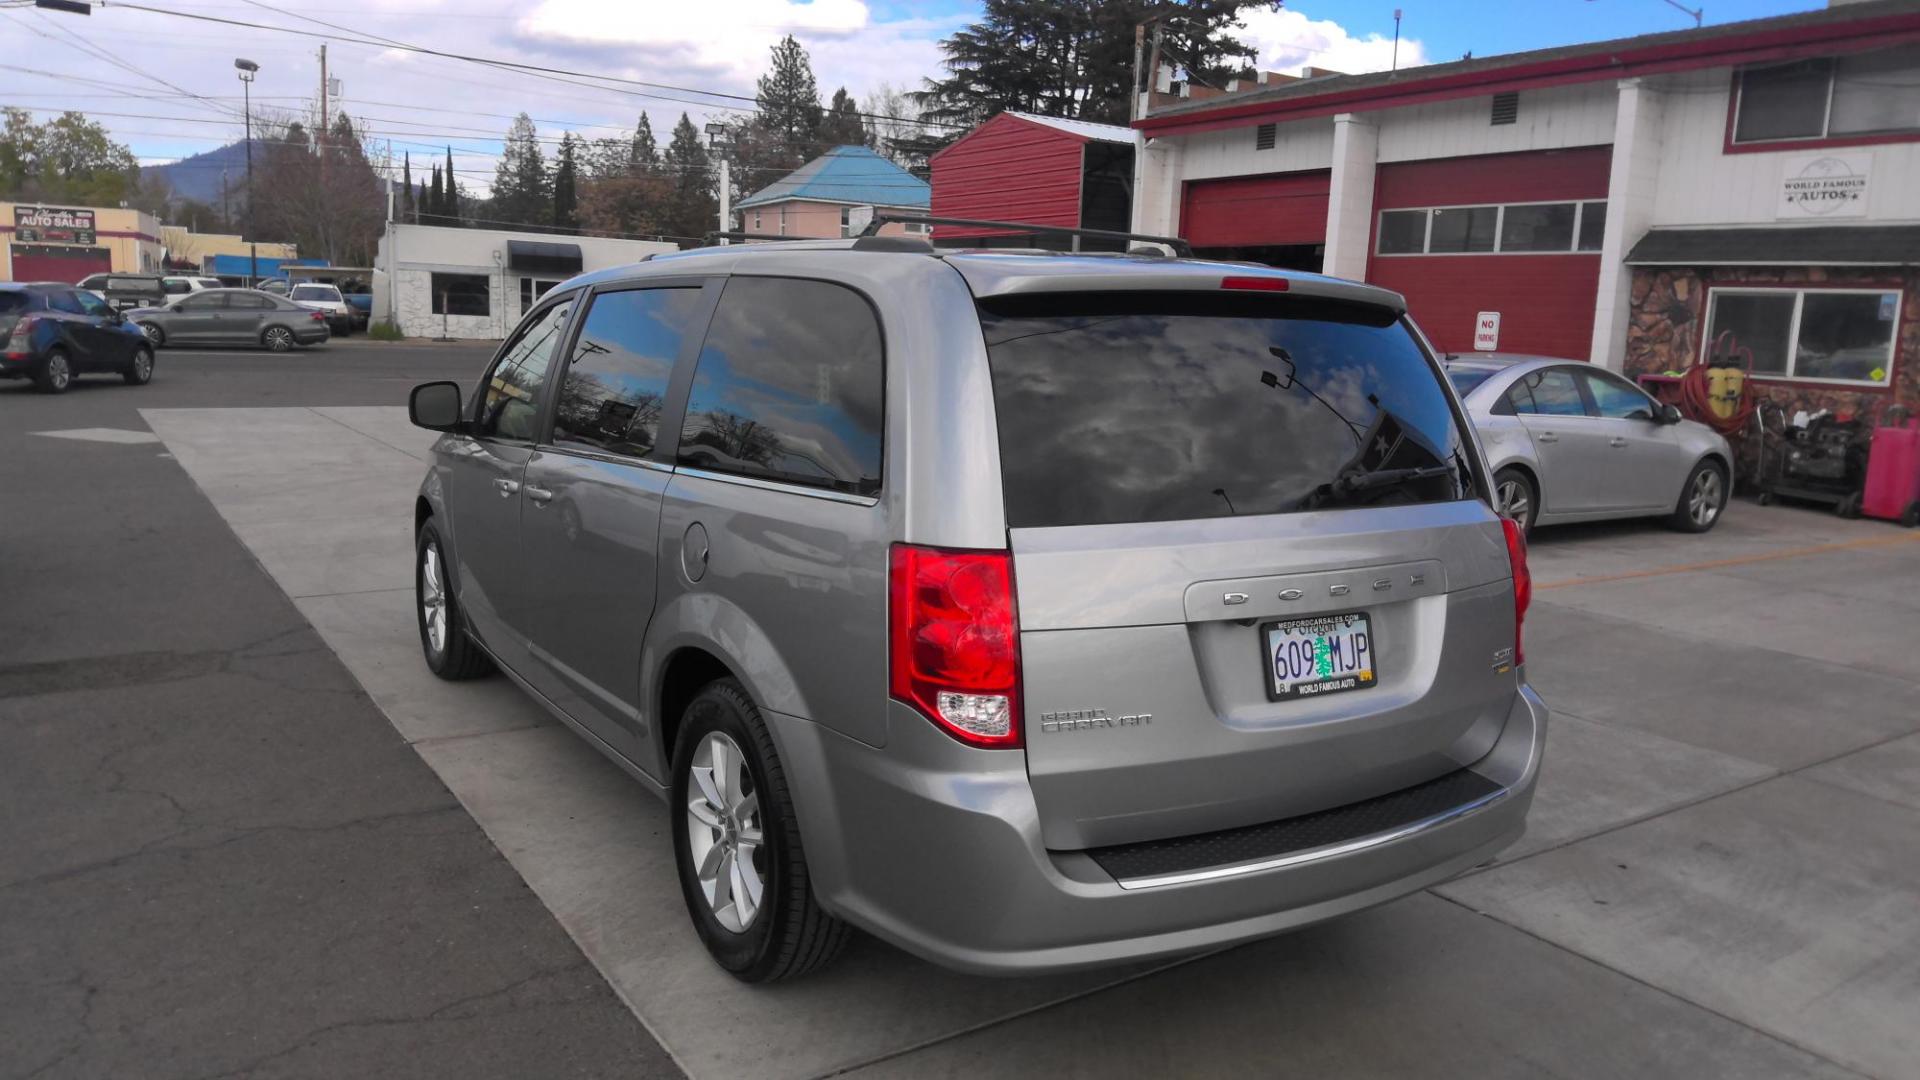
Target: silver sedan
(231,317)
(1568,441)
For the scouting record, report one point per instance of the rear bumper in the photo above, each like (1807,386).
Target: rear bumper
(22,368)
(936,848)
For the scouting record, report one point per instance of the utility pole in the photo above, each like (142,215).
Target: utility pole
(323,92)
(1153,68)
(1133,99)
(726,196)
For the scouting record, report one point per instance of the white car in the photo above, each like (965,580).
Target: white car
(327,298)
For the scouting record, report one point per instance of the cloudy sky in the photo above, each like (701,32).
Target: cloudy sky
(165,84)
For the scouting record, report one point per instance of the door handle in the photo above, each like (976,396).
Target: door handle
(508,488)
(1616,441)
(540,496)
(1548,436)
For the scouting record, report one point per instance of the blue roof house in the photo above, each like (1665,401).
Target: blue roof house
(817,198)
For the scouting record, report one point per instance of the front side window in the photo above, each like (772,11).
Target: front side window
(789,387)
(510,398)
(1615,399)
(174,286)
(1863,94)
(69,302)
(1144,408)
(462,294)
(1835,335)
(616,381)
(93,305)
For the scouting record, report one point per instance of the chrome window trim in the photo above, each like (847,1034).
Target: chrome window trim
(775,485)
(569,450)
(1330,851)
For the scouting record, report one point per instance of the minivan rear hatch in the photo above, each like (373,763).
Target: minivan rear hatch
(1255,575)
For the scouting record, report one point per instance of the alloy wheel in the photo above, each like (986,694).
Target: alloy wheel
(59,374)
(433,599)
(278,339)
(724,832)
(1703,502)
(1514,503)
(153,332)
(142,365)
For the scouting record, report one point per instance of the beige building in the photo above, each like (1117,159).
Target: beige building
(199,249)
(46,242)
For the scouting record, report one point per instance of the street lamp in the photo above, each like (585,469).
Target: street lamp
(247,69)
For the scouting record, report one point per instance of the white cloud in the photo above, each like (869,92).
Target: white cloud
(1289,40)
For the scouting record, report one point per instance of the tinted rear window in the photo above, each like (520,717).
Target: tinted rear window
(1141,410)
(1465,379)
(11,302)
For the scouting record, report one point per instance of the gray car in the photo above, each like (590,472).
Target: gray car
(1031,612)
(231,317)
(1568,441)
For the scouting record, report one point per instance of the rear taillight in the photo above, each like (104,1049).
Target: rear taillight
(318,316)
(1522,583)
(21,340)
(955,649)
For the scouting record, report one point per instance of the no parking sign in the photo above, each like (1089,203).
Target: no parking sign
(1486,331)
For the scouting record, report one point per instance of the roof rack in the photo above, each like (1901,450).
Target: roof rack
(708,240)
(1179,246)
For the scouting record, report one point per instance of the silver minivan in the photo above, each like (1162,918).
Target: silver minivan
(1029,611)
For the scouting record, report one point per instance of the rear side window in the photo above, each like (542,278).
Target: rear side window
(1139,409)
(617,379)
(789,387)
(250,301)
(1549,393)
(11,302)
(202,302)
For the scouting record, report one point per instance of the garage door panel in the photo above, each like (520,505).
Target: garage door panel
(1256,211)
(31,262)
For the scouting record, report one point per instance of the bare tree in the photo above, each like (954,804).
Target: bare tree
(318,190)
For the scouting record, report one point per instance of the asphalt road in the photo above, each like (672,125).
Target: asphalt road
(217,857)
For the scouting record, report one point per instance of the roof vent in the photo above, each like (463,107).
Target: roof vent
(1506,107)
(1263,137)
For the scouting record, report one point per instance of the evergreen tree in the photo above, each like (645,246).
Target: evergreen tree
(522,193)
(646,155)
(842,125)
(789,102)
(566,185)
(406,187)
(693,210)
(432,209)
(450,195)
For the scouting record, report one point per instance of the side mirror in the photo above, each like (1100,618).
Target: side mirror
(436,406)
(1668,414)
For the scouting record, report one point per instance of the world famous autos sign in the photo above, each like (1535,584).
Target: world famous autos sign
(52,225)
(1824,186)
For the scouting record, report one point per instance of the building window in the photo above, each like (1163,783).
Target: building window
(756,221)
(1512,228)
(531,290)
(917,228)
(1828,335)
(462,294)
(846,221)
(1863,95)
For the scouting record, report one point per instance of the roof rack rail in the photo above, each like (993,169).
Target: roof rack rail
(734,234)
(1179,246)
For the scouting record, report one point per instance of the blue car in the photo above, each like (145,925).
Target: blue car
(50,332)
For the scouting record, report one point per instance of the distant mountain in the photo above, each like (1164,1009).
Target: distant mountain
(198,177)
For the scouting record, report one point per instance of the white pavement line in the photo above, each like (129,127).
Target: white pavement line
(586,838)
(101,434)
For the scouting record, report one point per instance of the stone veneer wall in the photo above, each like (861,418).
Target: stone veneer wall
(413,296)
(1669,308)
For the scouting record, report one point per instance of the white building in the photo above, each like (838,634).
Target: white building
(1623,201)
(477,283)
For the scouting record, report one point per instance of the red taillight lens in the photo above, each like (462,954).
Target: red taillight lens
(955,650)
(1260,284)
(319,316)
(1522,583)
(20,340)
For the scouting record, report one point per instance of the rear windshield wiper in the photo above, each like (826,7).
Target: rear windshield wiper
(1347,483)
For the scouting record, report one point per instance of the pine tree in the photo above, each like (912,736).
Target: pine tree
(450,195)
(566,185)
(432,214)
(646,155)
(789,102)
(694,209)
(842,125)
(406,187)
(522,193)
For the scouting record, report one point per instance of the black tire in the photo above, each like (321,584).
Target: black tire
(277,339)
(1703,498)
(1849,507)
(140,370)
(156,337)
(456,657)
(1512,483)
(1911,518)
(790,934)
(55,373)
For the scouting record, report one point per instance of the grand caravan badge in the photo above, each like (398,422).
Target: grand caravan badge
(1090,719)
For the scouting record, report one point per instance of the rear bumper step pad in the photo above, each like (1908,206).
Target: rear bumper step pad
(1319,835)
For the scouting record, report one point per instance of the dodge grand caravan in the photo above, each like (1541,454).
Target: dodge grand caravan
(1029,611)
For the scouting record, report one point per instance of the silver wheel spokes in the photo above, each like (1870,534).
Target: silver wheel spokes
(1513,501)
(142,364)
(433,599)
(57,370)
(1704,504)
(723,832)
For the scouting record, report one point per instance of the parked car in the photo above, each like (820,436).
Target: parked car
(276,286)
(176,284)
(231,317)
(325,299)
(1032,612)
(1568,441)
(52,332)
(123,291)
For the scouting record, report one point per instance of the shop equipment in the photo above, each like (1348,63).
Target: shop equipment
(1893,469)
(1823,462)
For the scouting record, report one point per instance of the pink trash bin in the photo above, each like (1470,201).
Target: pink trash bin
(1893,475)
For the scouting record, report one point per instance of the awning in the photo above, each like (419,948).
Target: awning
(1820,245)
(538,257)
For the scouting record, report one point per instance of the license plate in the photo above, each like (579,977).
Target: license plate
(1320,655)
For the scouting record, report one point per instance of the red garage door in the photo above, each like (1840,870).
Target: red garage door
(1545,300)
(1256,211)
(47,262)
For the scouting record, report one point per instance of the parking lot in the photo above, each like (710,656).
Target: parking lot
(245,832)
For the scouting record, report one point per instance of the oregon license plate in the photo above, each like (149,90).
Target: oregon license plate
(1320,655)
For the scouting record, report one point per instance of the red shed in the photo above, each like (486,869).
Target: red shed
(1039,169)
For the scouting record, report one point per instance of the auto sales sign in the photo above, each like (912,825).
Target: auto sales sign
(1824,186)
(52,225)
